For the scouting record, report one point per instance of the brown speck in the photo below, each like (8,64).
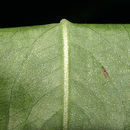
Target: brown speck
(104,72)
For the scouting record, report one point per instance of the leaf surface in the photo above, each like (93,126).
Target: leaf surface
(65,76)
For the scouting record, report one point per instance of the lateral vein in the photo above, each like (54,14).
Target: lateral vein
(66,74)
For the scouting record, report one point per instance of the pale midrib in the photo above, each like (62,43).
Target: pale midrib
(66,74)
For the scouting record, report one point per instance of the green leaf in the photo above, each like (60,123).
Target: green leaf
(65,76)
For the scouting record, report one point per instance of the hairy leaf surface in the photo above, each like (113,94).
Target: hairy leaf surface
(65,76)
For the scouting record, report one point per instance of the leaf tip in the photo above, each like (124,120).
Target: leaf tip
(64,21)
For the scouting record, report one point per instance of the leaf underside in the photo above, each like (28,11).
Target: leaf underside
(32,77)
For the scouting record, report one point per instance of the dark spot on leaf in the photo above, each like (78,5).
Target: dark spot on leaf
(104,72)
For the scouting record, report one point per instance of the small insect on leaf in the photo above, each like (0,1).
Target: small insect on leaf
(104,72)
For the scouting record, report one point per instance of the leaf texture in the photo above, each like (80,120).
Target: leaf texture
(65,76)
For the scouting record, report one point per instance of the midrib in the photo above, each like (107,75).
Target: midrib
(66,73)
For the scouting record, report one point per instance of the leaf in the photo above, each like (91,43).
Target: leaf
(65,76)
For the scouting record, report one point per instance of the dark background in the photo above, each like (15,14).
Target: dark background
(91,11)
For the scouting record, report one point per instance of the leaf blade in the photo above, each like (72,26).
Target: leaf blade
(32,59)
